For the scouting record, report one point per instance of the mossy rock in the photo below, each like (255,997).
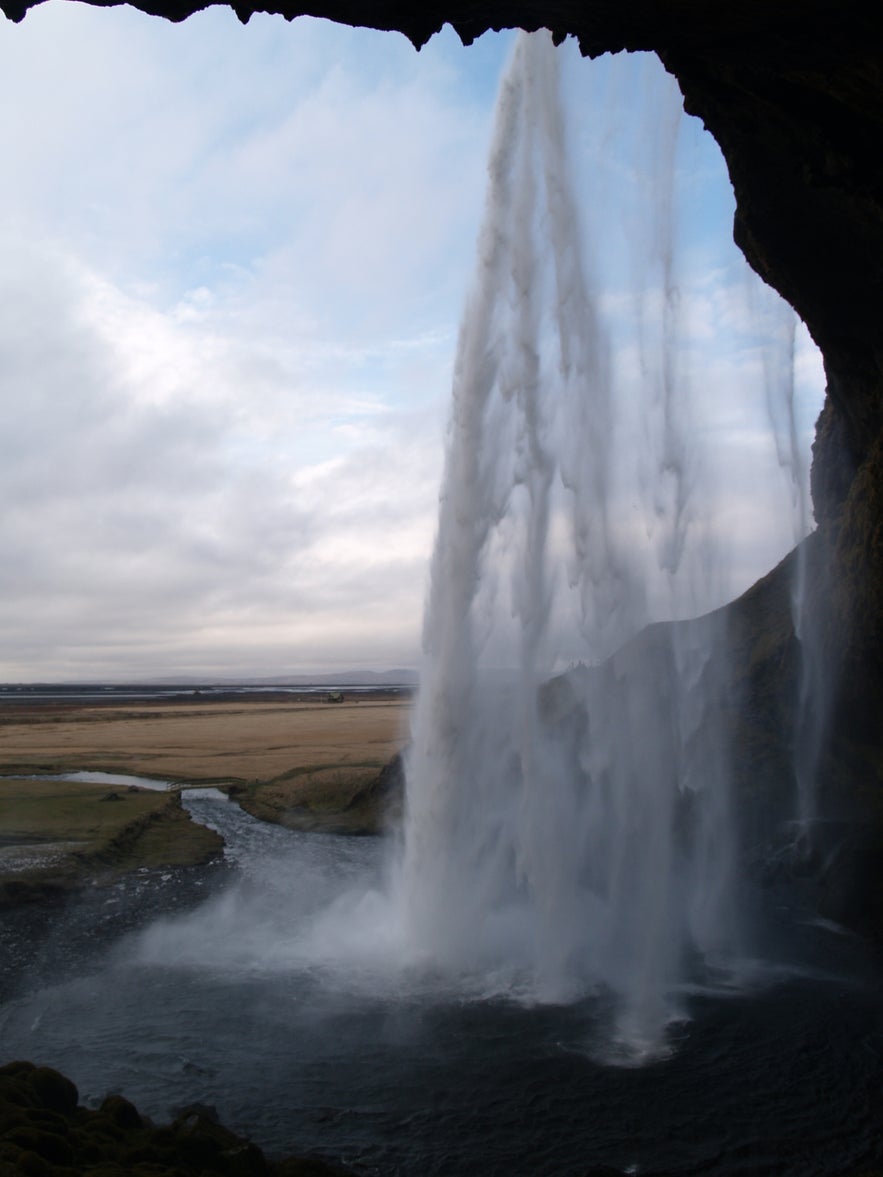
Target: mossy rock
(48,1145)
(123,1114)
(44,1133)
(54,1090)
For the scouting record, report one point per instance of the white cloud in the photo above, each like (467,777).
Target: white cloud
(230,266)
(146,495)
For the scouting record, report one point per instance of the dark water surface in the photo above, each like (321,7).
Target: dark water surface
(230,1005)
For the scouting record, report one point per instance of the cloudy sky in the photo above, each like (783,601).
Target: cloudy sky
(233,262)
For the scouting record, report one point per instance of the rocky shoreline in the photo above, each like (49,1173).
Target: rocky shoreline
(46,1132)
(40,870)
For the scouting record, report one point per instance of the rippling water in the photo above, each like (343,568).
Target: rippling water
(245,1003)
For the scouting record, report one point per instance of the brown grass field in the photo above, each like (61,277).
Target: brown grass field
(193,742)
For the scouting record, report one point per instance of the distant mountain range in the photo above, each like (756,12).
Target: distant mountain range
(345,678)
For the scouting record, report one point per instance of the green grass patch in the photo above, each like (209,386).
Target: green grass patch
(36,811)
(345,798)
(68,831)
(309,770)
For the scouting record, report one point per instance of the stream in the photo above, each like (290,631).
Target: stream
(248,1000)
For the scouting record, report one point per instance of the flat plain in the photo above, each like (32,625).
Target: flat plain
(205,743)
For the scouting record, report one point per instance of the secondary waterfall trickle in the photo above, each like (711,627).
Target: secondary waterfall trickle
(568,834)
(776,323)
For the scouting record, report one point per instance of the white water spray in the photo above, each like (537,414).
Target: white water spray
(575,835)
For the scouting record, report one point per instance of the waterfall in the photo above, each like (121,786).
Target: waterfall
(569,831)
(776,323)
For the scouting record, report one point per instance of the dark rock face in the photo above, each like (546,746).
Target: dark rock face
(796,122)
(44,1132)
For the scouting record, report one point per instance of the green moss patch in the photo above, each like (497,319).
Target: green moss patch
(339,799)
(59,833)
(45,1133)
